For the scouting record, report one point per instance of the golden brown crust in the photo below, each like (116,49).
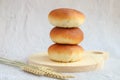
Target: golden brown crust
(64,13)
(65,52)
(66,35)
(65,17)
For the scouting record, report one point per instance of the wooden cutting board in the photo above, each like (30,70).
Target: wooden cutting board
(91,60)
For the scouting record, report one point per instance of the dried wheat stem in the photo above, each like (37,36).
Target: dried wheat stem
(33,65)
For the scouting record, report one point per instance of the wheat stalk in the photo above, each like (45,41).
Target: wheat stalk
(34,69)
(23,64)
(35,66)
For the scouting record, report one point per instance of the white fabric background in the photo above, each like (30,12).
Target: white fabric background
(24,30)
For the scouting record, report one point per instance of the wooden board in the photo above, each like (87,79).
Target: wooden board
(91,60)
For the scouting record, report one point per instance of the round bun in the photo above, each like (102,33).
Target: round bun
(65,52)
(64,17)
(66,35)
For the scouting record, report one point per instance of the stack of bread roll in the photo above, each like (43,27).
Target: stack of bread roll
(66,35)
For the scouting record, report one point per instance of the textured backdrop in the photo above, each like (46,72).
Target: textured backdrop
(24,30)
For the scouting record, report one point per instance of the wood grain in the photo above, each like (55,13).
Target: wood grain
(91,60)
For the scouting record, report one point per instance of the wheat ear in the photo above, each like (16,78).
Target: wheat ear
(37,70)
(42,67)
(42,72)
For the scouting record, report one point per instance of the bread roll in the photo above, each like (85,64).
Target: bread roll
(65,52)
(65,17)
(66,35)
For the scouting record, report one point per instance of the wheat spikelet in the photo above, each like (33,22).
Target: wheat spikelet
(32,70)
(43,72)
(42,67)
(56,75)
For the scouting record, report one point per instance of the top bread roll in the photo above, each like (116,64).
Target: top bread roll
(66,18)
